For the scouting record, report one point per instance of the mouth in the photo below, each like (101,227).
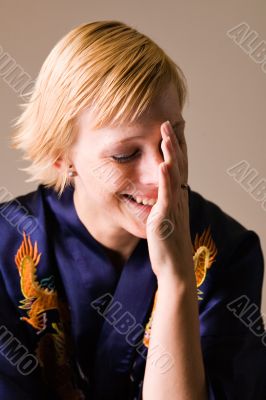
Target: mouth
(138,204)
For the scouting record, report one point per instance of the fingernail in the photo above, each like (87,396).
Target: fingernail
(169,126)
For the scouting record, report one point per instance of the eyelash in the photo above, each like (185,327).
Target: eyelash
(124,158)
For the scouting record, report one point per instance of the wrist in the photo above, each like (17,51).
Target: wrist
(177,275)
(177,294)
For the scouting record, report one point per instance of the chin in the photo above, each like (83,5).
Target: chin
(138,231)
(141,235)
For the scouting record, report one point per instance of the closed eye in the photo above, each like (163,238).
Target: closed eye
(125,158)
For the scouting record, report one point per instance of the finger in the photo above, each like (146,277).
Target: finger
(172,156)
(179,142)
(168,151)
(163,190)
(180,149)
(166,147)
(182,167)
(171,133)
(178,166)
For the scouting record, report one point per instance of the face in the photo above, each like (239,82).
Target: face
(113,164)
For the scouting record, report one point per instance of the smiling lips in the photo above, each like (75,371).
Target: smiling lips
(141,200)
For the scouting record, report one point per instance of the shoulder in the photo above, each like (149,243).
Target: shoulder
(226,253)
(32,218)
(225,230)
(20,217)
(228,261)
(21,213)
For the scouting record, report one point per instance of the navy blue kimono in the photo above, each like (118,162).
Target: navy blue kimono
(73,326)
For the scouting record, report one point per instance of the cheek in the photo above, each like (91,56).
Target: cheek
(109,179)
(124,183)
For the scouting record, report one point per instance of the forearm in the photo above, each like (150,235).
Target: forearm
(175,330)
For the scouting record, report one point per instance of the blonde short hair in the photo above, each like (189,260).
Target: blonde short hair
(106,66)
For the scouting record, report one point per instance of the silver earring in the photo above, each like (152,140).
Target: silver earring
(71,173)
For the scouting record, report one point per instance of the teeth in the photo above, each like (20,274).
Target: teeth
(145,201)
(141,200)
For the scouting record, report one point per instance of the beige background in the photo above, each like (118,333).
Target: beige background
(226,113)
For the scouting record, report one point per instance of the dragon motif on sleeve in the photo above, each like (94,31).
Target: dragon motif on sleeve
(37,299)
(54,347)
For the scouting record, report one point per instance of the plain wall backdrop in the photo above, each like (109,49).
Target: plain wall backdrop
(225,116)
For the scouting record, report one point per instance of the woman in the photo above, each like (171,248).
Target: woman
(118,281)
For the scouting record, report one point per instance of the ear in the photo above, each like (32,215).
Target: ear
(60,164)
(57,164)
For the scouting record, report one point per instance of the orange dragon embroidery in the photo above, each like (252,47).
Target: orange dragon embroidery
(37,300)
(204,253)
(204,256)
(53,347)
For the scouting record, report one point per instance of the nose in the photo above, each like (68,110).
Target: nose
(149,168)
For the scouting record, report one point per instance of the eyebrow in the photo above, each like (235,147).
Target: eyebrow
(174,125)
